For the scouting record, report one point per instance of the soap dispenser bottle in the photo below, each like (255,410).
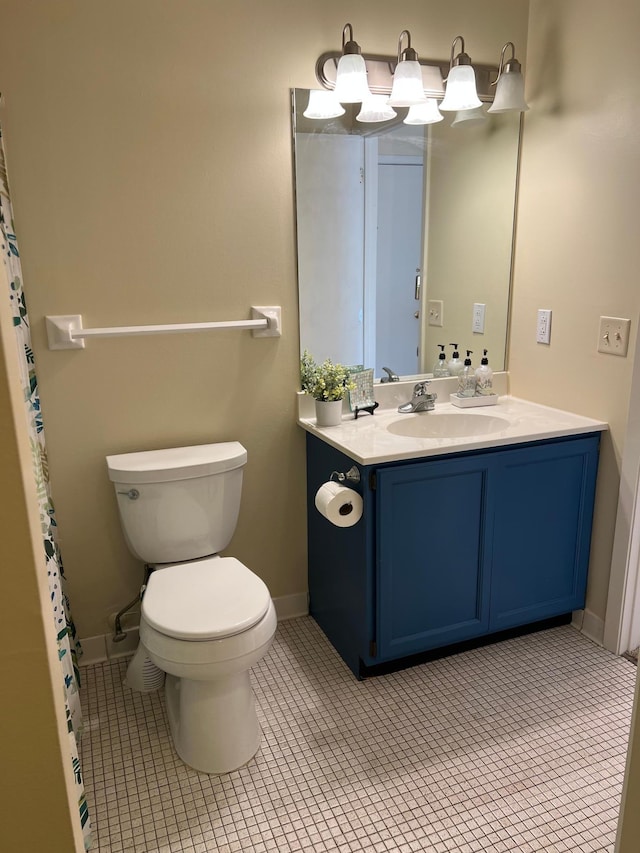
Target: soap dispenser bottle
(484,377)
(467,378)
(440,367)
(454,364)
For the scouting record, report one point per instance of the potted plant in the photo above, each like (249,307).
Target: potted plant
(328,384)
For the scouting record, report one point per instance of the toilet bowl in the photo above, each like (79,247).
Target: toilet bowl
(206,619)
(207,642)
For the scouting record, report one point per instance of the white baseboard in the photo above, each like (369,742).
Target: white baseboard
(590,625)
(292,606)
(102,647)
(94,650)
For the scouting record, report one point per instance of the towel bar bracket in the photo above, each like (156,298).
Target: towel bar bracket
(60,330)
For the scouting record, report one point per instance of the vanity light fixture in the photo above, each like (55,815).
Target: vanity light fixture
(460,93)
(323,104)
(509,85)
(376,108)
(407,88)
(427,113)
(351,78)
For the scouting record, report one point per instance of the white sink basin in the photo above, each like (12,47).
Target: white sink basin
(446,425)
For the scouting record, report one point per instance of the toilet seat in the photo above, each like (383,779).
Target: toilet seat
(204,658)
(207,599)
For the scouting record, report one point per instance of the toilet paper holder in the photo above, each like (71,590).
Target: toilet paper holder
(352,475)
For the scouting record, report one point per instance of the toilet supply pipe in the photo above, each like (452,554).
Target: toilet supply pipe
(118,633)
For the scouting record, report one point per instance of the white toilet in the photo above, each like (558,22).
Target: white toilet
(206,620)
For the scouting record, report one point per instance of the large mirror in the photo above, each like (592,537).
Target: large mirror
(404,237)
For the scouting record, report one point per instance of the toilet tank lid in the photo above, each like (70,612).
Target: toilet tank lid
(176,463)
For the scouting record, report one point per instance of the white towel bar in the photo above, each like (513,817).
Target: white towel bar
(65,331)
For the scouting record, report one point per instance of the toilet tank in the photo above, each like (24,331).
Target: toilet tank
(180,503)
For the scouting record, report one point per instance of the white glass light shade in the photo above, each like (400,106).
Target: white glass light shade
(407,87)
(427,113)
(460,93)
(323,104)
(509,94)
(376,108)
(469,117)
(351,79)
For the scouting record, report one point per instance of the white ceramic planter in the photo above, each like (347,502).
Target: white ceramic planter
(328,412)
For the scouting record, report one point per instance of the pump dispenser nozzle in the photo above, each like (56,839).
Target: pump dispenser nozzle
(467,360)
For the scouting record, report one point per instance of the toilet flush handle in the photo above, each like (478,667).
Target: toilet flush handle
(132,494)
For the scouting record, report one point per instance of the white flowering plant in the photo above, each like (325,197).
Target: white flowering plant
(326,381)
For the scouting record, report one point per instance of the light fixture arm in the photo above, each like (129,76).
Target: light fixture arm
(509,66)
(461,58)
(349,45)
(409,53)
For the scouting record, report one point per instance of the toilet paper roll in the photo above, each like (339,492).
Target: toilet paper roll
(339,504)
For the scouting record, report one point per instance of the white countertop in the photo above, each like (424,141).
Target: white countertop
(368,441)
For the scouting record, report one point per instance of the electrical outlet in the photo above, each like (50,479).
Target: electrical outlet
(543,328)
(613,335)
(477,324)
(435,310)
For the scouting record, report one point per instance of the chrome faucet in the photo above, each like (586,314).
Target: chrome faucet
(421,400)
(391,376)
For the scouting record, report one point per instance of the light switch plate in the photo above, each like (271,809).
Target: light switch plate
(435,311)
(613,335)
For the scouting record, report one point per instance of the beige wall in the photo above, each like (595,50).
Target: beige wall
(152,184)
(577,249)
(36,783)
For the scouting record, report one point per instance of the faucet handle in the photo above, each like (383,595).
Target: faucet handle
(421,388)
(392,376)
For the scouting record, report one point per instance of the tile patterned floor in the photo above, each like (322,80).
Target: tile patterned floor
(519,746)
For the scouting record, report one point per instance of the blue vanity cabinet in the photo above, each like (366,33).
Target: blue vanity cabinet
(341,581)
(541,531)
(432,540)
(450,548)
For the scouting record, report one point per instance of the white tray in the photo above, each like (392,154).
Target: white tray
(468,402)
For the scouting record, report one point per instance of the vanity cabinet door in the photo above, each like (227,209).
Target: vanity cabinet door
(542,531)
(432,582)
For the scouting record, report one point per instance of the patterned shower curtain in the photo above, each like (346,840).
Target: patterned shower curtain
(68,645)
